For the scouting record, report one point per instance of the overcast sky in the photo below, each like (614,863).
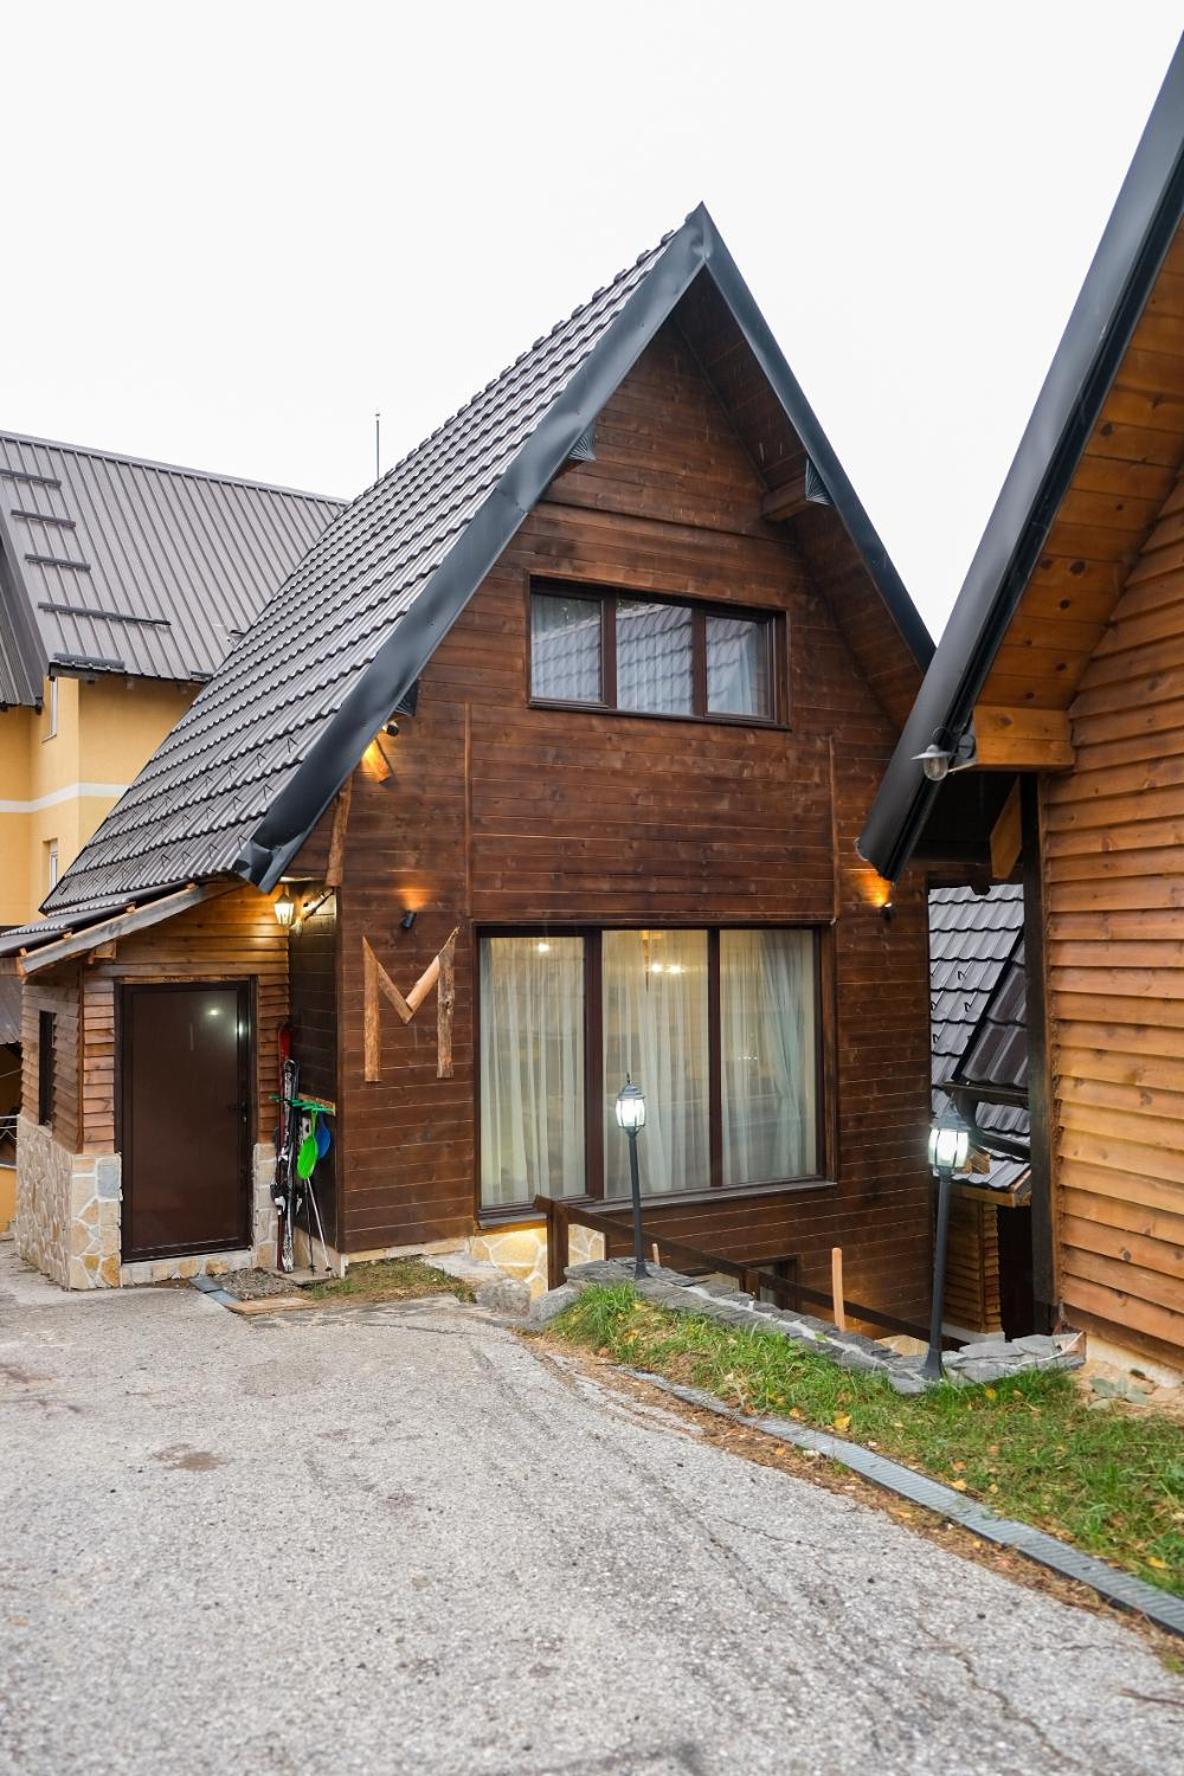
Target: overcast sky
(233,231)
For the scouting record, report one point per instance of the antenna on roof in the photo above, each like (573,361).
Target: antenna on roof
(377,445)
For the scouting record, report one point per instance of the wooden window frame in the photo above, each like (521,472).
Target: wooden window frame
(46,1066)
(608,597)
(826,1135)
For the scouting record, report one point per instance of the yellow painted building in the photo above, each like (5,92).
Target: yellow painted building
(123,585)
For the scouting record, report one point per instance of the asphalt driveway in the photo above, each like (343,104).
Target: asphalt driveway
(397,1539)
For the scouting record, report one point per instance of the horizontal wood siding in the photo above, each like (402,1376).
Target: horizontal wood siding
(497,813)
(1114,896)
(59,996)
(232,937)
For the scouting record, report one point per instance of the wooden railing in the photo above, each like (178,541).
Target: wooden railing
(786,1292)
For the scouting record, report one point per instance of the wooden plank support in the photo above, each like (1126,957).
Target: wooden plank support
(79,943)
(376,981)
(1007,837)
(445,1001)
(786,502)
(836,1287)
(1021,739)
(335,868)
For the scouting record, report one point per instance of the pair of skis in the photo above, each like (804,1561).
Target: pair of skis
(289,1190)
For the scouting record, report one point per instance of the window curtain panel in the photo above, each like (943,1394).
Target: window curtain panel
(655,1029)
(532,1068)
(654,658)
(738,667)
(768,1040)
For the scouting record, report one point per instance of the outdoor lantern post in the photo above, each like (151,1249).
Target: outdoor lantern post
(631,1117)
(949,1145)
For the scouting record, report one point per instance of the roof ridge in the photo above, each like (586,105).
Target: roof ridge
(167,468)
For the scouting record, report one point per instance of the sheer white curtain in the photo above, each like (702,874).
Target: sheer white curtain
(738,677)
(770,1055)
(532,1068)
(654,657)
(655,1029)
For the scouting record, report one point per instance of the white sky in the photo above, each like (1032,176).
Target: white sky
(233,231)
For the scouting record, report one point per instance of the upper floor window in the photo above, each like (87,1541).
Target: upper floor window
(651,656)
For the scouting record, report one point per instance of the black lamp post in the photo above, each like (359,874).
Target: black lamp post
(949,1146)
(631,1117)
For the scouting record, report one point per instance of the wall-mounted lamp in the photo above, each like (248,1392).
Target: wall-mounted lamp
(938,761)
(408,919)
(391,728)
(284,908)
(886,912)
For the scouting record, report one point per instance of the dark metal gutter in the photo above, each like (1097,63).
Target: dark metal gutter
(382,685)
(1112,299)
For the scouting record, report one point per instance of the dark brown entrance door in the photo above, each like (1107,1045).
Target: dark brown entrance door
(186,1119)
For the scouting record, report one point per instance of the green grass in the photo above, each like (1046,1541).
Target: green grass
(390,1279)
(1111,1481)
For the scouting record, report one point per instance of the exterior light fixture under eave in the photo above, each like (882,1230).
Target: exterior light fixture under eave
(939,761)
(284,908)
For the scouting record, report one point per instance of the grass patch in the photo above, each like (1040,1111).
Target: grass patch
(390,1279)
(1110,1481)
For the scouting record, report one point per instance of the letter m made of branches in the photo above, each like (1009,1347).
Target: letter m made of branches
(439,973)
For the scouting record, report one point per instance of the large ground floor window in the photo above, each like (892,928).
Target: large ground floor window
(720,1028)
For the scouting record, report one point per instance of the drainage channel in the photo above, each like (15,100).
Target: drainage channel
(1116,1587)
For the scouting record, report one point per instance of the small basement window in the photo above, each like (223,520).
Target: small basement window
(604,649)
(46,1022)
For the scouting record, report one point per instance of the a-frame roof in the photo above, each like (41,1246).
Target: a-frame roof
(1100,454)
(112,564)
(248,771)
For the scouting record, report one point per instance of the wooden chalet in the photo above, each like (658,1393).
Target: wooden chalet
(1053,720)
(555,749)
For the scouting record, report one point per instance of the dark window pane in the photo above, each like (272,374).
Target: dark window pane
(655,1029)
(769,1050)
(739,681)
(654,657)
(565,648)
(532,1068)
(45,1065)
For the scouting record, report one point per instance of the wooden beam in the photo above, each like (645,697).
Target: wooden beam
(786,502)
(1007,837)
(335,868)
(836,1288)
(445,1001)
(77,943)
(1022,739)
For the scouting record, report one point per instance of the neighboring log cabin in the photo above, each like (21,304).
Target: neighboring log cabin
(1053,714)
(554,749)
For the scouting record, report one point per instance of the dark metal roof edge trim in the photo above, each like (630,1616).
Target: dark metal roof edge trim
(1122,273)
(401,659)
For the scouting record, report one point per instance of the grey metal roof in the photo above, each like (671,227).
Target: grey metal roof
(114,564)
(977,1002)
(248,770)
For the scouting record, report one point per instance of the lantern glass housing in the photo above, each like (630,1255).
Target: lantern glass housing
(949,1142)
(284,908)
(630,1107)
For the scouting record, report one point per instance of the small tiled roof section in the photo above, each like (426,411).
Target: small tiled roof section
(244,776)
(977,1002)
(111,564)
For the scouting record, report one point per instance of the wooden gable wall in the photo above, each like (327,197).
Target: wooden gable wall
(498,813)
(1113,832)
